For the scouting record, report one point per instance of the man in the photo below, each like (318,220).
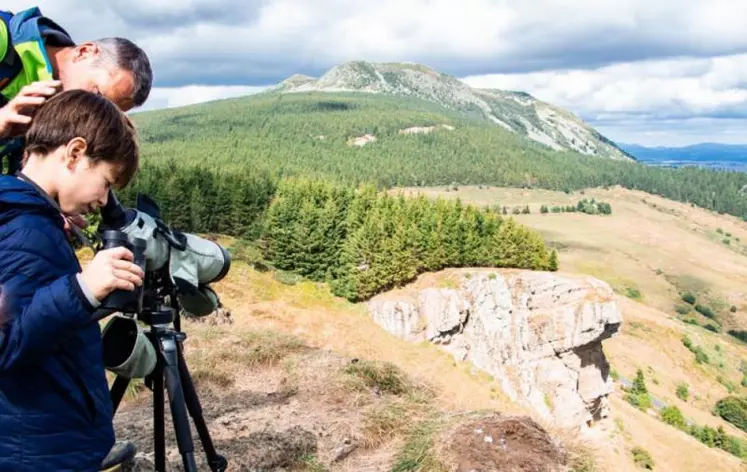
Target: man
(39,57)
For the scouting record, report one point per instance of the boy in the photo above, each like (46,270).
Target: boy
(55,410)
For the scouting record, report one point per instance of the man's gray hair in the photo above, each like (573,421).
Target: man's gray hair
(129,57)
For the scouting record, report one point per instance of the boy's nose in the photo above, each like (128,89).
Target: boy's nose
(104,199)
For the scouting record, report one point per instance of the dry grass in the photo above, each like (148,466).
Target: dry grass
(659,248)
(647,243)
(284,336)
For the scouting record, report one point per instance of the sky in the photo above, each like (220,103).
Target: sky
(650,72)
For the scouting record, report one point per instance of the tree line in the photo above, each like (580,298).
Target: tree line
(363,242)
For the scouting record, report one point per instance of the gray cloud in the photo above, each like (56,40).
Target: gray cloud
(264,41)
(628,61)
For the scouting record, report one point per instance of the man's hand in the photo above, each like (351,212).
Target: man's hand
(112,269)
(15,116)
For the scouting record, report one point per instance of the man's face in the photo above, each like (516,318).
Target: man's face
(85,71)
(85,186)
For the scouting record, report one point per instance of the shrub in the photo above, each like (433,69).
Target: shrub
(638,395)
(633,293)
(730,386)
(687,342)
(682,309)
(734,410)
(741,335)
(704,310)
(700,356)
(672,415)
(688,298)
(683,392)
(733,309)
(642,458)
(713,327)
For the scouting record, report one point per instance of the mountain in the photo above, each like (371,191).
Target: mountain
(714,155)
(518,112)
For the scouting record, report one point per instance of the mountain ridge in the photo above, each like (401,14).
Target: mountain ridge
(515,111)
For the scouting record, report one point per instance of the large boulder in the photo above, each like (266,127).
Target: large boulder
(539,333)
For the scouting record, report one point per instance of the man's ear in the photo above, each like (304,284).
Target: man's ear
(85,51)
(75,152)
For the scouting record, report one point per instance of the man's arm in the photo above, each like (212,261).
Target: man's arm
(32,327)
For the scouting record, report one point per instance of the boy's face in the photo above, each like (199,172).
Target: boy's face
(85,186)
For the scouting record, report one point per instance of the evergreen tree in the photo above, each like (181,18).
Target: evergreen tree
(553,265)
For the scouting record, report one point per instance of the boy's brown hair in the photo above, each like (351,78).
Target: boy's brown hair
(110,135)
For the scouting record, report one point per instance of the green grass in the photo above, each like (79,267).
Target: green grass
(417,454)
(642,458)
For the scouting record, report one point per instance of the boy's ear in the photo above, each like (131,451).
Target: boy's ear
(87,50)
(75,151)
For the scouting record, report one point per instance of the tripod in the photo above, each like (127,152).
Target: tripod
(171,368)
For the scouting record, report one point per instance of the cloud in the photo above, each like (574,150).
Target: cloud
(262,42)
(624,65)
(653,98)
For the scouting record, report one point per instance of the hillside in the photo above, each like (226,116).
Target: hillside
(517,112)
(279,369)
(651,251)
(392,141)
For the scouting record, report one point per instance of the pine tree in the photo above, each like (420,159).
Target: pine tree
(639,384)
(553,266)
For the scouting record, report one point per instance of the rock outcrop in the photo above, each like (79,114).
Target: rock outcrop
(540,334)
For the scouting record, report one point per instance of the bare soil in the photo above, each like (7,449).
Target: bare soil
(498,443)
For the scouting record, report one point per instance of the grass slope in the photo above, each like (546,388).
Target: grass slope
(660,248)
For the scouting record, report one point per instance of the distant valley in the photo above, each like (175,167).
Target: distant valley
(709,155)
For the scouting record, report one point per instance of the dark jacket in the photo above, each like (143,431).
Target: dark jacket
(55,411)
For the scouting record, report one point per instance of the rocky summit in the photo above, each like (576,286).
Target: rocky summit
(514,111)
(540,334)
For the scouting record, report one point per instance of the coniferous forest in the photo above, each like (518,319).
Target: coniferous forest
(280,170)
(308,134)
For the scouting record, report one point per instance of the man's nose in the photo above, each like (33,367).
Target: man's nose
(104,199)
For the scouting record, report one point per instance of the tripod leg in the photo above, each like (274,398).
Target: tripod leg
(176,402)
(118,390)
(159,433)
(216,462)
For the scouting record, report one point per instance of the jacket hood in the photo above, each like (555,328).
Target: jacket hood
(19,197)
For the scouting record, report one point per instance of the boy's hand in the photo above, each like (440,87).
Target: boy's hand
(15,116)
(112,269)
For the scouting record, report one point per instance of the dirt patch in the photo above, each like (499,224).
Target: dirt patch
(503,443)
(258,450)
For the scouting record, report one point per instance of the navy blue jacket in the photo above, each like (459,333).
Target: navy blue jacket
(55,410)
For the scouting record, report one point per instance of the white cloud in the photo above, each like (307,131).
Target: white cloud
(232,41)
(645,95)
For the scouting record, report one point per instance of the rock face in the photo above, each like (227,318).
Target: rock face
(540,334)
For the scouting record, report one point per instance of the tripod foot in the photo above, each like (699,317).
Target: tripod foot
(219,464)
